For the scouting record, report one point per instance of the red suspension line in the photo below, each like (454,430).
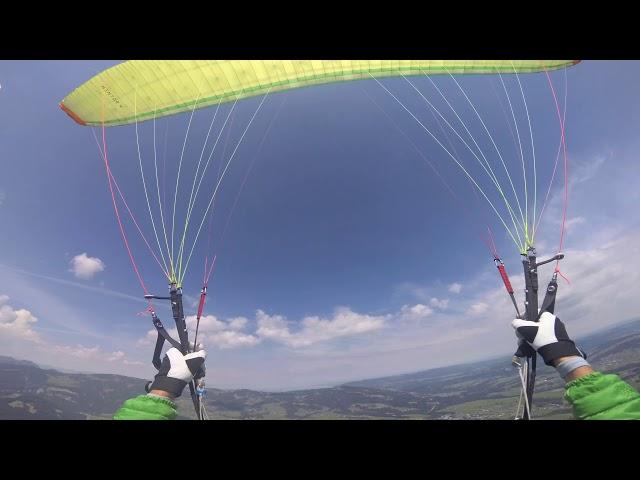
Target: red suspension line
(133,218)
(137,226)
(566,173)
(115,209)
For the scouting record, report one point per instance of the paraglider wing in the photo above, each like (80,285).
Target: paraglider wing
(139,90)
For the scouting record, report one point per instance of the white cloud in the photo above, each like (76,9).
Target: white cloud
(78,351)
(148,340)
(92,354)
(415,313)
(237,323)
(585,170)
(208,323)
(439,303)
(17,323)
(85,267)
(344,322)
(116,356)
(133,363)
(477,309)
(222,333)
(231,339)
(272,326)
(455,288)
(572,223)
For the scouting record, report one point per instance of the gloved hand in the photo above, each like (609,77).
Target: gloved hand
(177,370)
(548,337)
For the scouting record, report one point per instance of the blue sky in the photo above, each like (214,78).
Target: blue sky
(345,257)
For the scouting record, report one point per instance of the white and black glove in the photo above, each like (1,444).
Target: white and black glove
(177,370)
(548,337)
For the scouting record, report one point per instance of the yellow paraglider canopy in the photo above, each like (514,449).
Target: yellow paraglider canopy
(139,90)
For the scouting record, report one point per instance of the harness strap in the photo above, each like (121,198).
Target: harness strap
(163,336)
